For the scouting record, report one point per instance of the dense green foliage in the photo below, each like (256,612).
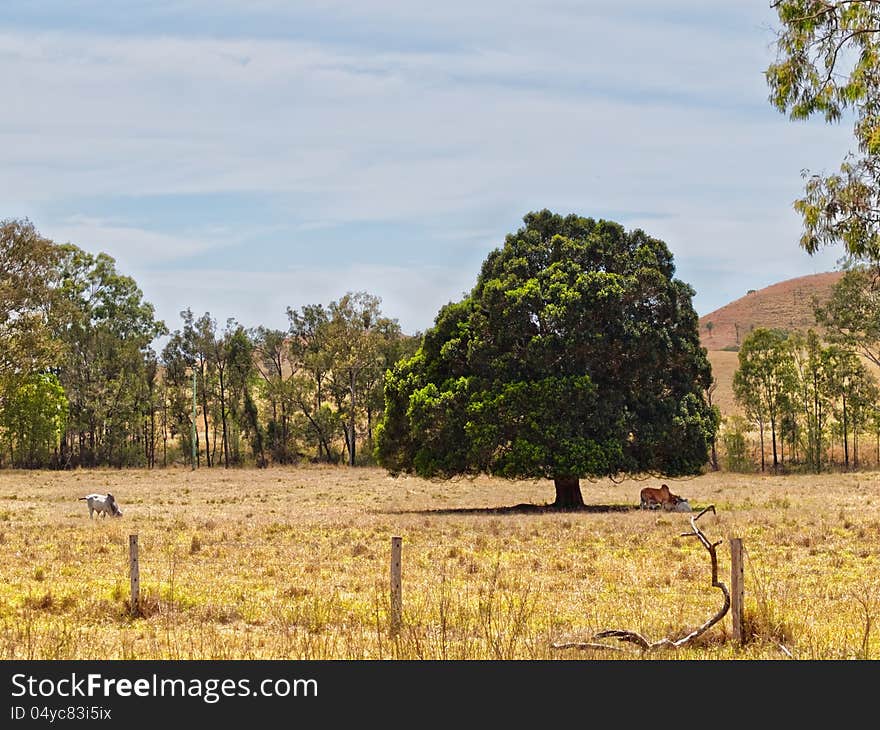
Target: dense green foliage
(576,354)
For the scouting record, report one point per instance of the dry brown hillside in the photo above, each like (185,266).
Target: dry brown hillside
(787,305)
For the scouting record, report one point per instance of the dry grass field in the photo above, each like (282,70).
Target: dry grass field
(294,564)
(724,364)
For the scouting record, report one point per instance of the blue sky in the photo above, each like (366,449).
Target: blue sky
(245,156)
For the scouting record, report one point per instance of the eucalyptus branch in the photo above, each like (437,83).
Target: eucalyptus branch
(643,644)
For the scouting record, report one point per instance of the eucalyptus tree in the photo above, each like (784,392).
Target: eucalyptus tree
(275,366)
(852,390)
(220,348)
(242,377)
(29,280)
(828,65)
(850,317)
(864,395)
(357,333)
(811,363)
(576,354)
(312,359)
(151,397)
(200,338)
(763,381)
(178,417)
(107,329)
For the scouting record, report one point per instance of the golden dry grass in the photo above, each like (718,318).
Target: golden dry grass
(294,563)
(724,364)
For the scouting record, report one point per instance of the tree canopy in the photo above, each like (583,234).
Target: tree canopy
(29,282)
(764,379)
(828,64)
(576,354)
(851,315)
(82,385)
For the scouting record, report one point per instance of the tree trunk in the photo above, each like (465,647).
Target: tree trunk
(164,431)
(773,439)
(761,432)
(568,492)
(208,459)
(351,449)
(223,421)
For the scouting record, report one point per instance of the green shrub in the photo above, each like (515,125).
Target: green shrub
(735,444)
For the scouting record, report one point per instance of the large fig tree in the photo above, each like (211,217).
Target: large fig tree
(575,355)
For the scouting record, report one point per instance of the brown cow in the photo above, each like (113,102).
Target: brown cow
(651,498)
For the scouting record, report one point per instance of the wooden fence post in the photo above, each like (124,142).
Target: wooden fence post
(736,589)
(134,573)
(396,597)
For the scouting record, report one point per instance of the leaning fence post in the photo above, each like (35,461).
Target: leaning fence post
(134,573)
(396,598)
(736,589)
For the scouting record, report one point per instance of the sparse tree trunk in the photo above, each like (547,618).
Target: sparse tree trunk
(855,443)
(214,433)
(761,432)
(351,417)
(204,395)
(568,492)
(773,440)
(223,421)
(164,430)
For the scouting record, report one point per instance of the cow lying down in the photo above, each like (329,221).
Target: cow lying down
(103,503)
(651,498)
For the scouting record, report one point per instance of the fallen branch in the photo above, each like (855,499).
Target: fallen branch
(640,641)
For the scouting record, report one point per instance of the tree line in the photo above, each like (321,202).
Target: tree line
(82,383)
(807,395)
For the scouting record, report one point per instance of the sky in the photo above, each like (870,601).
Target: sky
(240,157)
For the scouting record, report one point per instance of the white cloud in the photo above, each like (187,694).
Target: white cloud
(413,296)
(132,248)
(658,115)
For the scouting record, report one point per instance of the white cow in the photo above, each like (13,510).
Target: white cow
(682,505)
(103,503)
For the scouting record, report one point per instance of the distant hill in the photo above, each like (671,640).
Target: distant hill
(787,305)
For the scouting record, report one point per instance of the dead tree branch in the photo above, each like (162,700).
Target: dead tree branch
(640,641)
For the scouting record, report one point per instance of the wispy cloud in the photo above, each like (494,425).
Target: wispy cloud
(413,296)
(447,120)
(133,248)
